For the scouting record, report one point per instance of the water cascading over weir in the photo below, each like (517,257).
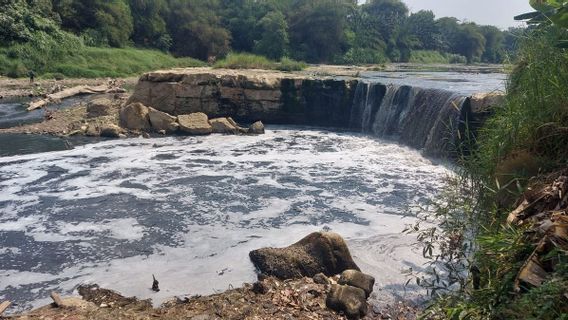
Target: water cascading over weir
(423,118)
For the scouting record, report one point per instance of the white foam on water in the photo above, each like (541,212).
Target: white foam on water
(190,210)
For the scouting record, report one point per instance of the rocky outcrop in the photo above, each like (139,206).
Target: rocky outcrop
(320,252)
(247,96)
(195,124)
(135,116)
(99,108)
(161,121)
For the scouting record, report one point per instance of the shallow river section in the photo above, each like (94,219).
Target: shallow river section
(189,209)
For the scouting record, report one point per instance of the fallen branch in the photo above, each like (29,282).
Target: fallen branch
(3,306)
(71,92)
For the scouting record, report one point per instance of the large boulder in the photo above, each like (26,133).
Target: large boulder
(256,128)
(223,125)
(161,121)
(99,108)
(319,252)
(358,279)
(349,300)
(135,116)
(195,124)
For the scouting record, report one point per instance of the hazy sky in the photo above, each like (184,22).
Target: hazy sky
(495,12)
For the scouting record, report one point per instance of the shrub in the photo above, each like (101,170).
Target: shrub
(287,64)
(244,61)
(358,56)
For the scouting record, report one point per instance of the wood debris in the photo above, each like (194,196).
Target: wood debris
(4,305)
(111,87)
(545,211)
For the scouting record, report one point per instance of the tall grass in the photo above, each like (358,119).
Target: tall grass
(86,62)
(252,61)
(526,136)
(430,57)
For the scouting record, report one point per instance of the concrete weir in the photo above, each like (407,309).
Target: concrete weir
(423,118)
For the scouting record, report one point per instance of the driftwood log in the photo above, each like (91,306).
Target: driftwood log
(3,306)
(71,92)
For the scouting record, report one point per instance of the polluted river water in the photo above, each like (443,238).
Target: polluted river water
(189,210)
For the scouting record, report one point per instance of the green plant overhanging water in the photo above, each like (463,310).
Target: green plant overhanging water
(478,256)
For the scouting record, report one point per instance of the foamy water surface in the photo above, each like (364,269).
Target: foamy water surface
(189,209)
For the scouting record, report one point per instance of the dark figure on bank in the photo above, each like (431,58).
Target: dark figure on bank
(155,285)
(31,74)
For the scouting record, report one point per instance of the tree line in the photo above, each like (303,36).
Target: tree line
(316,31)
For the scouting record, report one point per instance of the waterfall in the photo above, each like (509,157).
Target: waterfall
(425,119)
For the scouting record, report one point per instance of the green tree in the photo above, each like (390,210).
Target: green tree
(102,22)
(149,23)
(469,42)
(388,17)
(449,30)
(274,40)
(240,18)
(20,21)
(422,26)
(494,44)
(318,29)
(196,29)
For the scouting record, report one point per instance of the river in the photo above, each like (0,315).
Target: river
(189,209)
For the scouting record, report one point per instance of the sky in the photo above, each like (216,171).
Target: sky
(499,13)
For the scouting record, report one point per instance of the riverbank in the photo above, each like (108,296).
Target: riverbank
(267,299)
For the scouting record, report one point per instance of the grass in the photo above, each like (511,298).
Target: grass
(525,137)
(431,57)
(88,62)
(251,61)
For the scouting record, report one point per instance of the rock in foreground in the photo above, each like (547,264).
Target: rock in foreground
(195,124)
(319,252)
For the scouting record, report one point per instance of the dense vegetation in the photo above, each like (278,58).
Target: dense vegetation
(36,34)
(522,145)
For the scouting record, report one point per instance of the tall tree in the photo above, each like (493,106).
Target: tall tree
(318,29)
(274,40)
(105,21)
(423,27)
(494,44)
(470,42)
(149,23)
(196,29)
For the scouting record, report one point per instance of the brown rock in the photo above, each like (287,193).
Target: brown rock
(111,131)
(359,280)
(162,121)
(321,278)
(347,299)
(195,124)
(99,108)
(256,128)
(135,117)
(319,252)
(223,125)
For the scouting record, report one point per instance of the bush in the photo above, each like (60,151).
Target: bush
(244,61)
(430,56)
(358,56)
(72,59)
(287,64)
(251,61)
